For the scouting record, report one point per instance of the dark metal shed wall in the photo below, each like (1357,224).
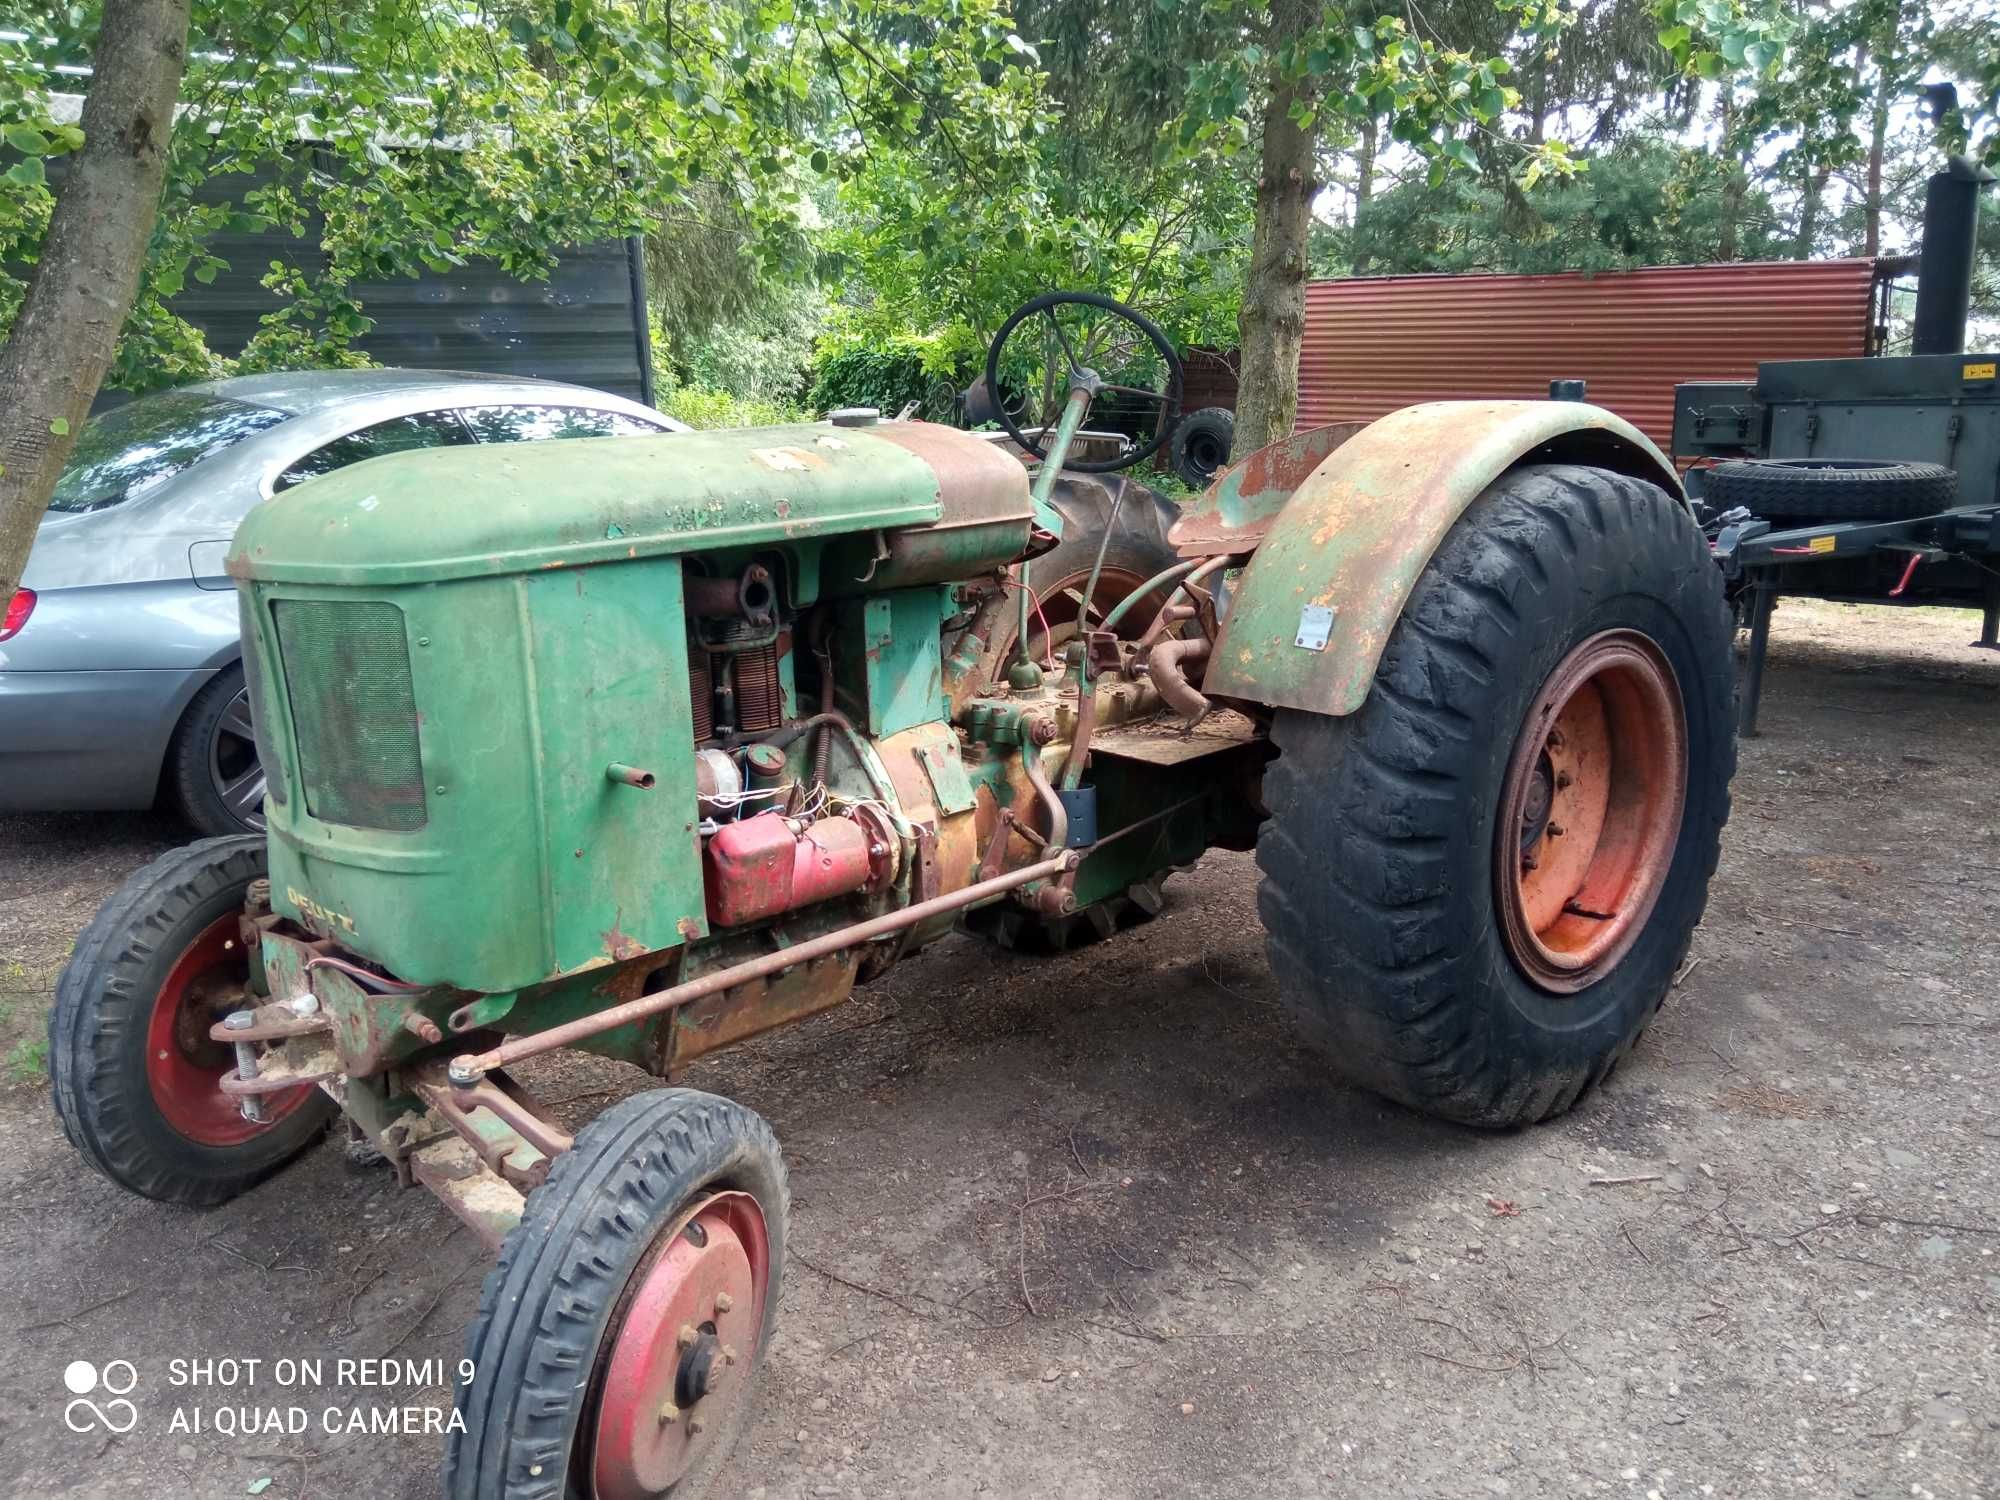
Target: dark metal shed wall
(1373,344)
(586,323)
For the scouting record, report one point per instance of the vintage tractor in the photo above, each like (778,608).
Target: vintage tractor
(644,746)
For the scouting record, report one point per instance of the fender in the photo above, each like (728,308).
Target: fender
(1355,536)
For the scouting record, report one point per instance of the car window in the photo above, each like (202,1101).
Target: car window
(124,453)
(431,429)
(535,424)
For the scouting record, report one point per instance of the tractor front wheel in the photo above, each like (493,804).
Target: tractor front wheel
(1479,886)
(137,1078)
(618,1339)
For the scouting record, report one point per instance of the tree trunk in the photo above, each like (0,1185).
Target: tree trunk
(1273,318)
(1878,138)
(88,273)
(1811,199)
(1364,186)
(1735,186)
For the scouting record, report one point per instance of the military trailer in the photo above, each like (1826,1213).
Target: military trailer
(1875,479)
(645,746)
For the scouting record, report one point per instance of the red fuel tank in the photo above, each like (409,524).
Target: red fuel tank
(759,867)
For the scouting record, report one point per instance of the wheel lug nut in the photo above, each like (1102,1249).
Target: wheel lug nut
(729,1354)
(1555,741)
(669,1413)
(695,1426)
(1563,779)
(1555,830)
(687,1336)
(1529,862)
(723,1302)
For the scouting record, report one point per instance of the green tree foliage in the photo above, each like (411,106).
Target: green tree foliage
(408,136)
(1641,203)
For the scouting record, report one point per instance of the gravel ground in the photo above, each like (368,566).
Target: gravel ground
(1097,1225)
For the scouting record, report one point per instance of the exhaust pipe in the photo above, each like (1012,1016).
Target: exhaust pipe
(1944,266)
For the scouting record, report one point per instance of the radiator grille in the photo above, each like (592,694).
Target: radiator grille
(260,713)
(701,694)
(354,711)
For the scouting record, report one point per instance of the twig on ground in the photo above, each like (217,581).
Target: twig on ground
(431,1306)
(1626,1230)
(1624,1181)
(69,1321)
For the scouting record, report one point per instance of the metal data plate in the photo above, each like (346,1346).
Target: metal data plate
(1315,627)
(949,783)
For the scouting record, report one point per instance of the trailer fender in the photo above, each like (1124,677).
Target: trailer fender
(1311,613)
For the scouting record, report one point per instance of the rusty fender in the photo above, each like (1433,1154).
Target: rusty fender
(1356,535)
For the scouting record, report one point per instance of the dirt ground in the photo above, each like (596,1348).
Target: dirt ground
(1098,1226)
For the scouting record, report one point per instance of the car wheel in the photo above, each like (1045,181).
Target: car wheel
(212,767)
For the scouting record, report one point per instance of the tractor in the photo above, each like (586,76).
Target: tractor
(644,746)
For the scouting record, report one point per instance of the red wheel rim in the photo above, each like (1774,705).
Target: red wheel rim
(184,1065)
(683,1341)
(1590,811)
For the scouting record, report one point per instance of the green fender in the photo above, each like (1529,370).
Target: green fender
(1355,536)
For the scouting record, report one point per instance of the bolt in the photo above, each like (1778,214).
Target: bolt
(687,1336)
(249,1106)
(303,1005)
(729,1354)
(1555,830)
(695,1426)
(1529,862)
(1042,731)
(1555,740)
(239,1020)
(723,1302)
(669,1413)
(1563,779)
(462,1074)
(423,1026)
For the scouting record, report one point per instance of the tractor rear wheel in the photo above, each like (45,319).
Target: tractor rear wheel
(1479,886)
(618,1340)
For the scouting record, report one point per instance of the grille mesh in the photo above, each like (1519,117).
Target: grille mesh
(354,711)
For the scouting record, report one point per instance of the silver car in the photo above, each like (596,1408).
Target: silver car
(121,678)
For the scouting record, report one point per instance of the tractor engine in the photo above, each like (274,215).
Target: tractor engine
(553,726)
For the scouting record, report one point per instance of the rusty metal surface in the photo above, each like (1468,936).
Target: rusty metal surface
(1373,344)
(1165,742)
(1357,534)
(482,1199)
(840,940)
(1234,512)
(761,1005)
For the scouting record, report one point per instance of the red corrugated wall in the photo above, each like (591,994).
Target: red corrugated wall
(1375,343)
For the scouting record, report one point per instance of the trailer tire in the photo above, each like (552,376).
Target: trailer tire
(1202,443)
(133,1075)
(1395,865)
(582,1270)
(1831,489)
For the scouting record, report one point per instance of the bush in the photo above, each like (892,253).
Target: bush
(889,374)
(704,407)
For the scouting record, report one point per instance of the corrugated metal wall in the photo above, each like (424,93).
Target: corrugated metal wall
(1373,344)
(584,324)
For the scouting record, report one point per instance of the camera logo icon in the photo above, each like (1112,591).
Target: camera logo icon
(116,1380)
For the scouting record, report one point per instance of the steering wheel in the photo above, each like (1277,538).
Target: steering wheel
(1099,330)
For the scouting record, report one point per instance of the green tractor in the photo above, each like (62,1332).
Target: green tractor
(644,746)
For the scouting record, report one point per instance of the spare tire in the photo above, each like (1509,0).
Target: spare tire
(1201,444)
(1831,489)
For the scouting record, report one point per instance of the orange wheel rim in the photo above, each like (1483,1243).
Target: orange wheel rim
(1590,811)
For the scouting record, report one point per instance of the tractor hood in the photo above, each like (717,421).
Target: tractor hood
(486,510)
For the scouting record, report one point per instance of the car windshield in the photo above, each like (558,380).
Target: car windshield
(124,453)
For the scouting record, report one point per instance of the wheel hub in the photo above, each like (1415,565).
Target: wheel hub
(184,1067)
(682,1341)
(1590,811)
